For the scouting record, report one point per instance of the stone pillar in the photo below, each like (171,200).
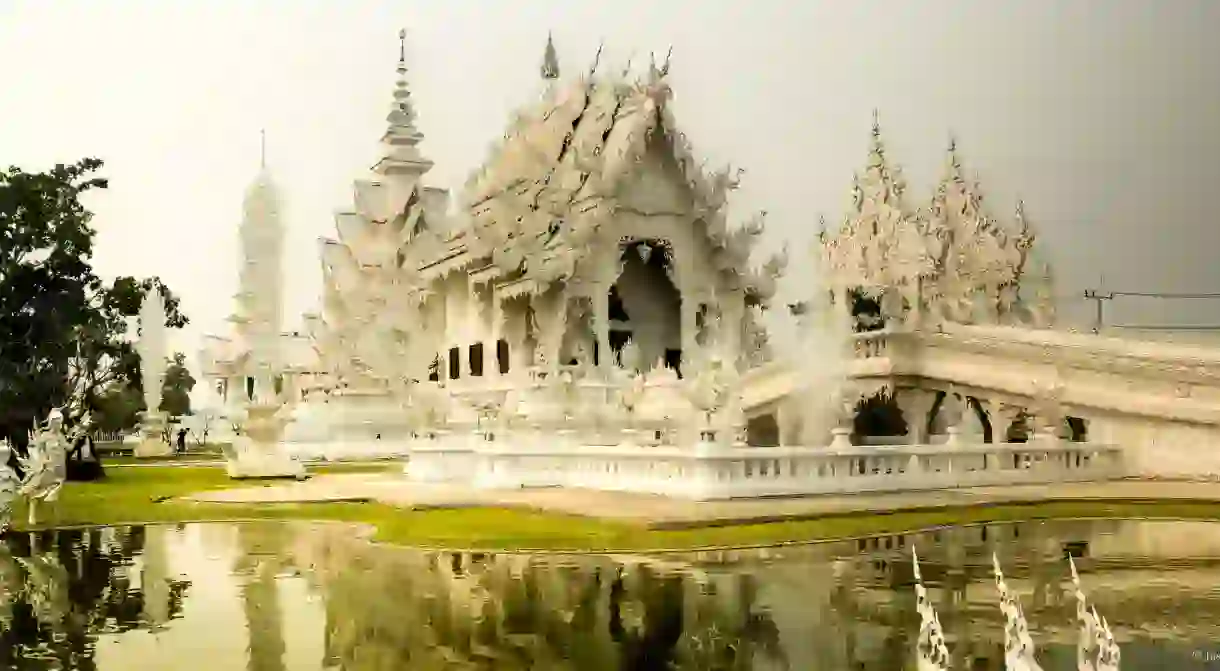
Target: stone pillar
(916,405)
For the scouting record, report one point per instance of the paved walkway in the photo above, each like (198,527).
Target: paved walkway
(662,512)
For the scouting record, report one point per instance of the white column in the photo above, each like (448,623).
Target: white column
(916,405)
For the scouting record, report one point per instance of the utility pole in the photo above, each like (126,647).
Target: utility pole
(1098,297)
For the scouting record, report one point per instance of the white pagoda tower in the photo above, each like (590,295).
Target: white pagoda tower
(368,336)
(259,297)
(256,451)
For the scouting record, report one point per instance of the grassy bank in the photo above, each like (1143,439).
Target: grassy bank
(136,495)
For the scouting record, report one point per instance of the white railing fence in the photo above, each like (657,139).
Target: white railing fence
(709,472)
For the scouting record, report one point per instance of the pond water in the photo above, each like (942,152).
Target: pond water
(288,596)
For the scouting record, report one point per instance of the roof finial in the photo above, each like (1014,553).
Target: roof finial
(402,45)
(550,61)
(262,148)
(665,65)
(876,123)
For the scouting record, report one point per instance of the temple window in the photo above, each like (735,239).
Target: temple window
(502,357)
(476,360)
(455,363)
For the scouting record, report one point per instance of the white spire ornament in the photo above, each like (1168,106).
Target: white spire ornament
(1018,645)
(1096,649)
(930,650)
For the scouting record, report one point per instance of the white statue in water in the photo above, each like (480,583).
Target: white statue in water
(46,467)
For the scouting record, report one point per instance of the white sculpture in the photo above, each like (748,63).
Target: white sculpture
(1096,649)
(931,654)
(1018,645)
(151,347)
(10,486)
(46,467)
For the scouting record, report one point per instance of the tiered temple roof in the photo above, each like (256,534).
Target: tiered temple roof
(552,183)
(949,260)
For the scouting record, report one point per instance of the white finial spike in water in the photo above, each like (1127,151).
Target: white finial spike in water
(1096,649)
(1018,645)
(931,653)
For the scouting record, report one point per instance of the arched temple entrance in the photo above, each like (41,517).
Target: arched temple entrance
(645,305)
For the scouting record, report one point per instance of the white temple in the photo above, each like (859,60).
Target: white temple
(587,315)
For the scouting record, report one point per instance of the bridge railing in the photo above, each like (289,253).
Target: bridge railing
(742,472)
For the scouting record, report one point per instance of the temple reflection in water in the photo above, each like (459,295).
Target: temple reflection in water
(274,597)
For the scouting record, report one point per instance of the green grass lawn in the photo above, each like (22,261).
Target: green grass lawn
(138,495)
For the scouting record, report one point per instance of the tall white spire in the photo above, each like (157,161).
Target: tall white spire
(550,60)
(259,309)
(400,144)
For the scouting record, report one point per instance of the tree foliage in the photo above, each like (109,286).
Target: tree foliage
(62,329)
(117,409)
(176,390)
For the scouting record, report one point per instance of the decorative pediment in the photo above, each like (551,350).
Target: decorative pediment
(951,260)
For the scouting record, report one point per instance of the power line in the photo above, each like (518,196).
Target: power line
(1099,298)
(1153,294)
(1165,327)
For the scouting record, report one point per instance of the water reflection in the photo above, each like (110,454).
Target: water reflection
(279,597)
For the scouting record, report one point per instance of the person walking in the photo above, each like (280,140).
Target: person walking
(181,447)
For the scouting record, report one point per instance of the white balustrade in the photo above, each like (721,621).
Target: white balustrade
(718,472)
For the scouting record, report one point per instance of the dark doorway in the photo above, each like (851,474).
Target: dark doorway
(645,300)
(502,356)
(476,360)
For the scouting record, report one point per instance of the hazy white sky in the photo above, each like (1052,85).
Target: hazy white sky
(1103,114)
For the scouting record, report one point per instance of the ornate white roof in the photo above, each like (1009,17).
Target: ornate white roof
(952,257)
(551,184)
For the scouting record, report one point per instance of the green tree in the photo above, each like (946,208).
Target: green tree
(176,391)
(117,409)
(62,330)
